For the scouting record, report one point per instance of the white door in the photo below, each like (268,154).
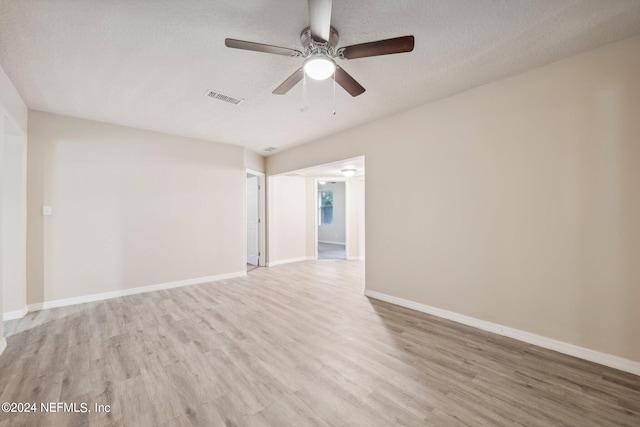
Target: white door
(252,220)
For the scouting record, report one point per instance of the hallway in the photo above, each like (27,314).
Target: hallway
(331,251)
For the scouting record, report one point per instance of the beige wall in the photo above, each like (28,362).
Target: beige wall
(13,120)
(130,208)
(518,200)
(355,218)
(12,105)
(2,339)
(288,219)
(311,219)
(253,161)
(14,223)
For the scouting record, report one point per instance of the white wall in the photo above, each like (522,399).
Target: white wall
(14,224)
(518,200)
(336,231)
(131,208)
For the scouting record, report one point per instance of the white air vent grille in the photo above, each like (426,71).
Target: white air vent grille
(270,149)
(222,97)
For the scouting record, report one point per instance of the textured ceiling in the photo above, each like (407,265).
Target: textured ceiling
(147,64)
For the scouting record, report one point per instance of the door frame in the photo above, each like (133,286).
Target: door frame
(261,217)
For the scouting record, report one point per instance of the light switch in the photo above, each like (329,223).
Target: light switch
(46,210)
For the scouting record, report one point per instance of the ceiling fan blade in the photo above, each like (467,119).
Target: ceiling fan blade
(320,19)
(348,83)
(260,47)
(291,81)
(377,48)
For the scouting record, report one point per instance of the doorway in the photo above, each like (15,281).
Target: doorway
(331,199)
(296,224)
(254,224)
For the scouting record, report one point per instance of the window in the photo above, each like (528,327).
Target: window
(325,207)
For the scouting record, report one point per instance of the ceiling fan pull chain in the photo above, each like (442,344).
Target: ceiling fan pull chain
(334,92)
(305,98)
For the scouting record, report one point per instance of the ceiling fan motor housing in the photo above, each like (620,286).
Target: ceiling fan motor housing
(315,47)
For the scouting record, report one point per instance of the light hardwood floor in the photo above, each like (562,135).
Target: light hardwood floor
(294,345)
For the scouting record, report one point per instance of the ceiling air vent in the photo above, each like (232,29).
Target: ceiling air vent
(222,97)
(270,149)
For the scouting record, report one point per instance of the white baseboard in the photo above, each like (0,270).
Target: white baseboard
(132,291)
(290,260)
(18,314)
(3,344)
(332,243)
(355,258)
(549,343)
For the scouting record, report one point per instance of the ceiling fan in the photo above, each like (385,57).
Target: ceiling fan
(319,42)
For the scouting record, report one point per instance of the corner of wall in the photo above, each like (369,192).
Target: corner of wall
(254,161)
(12,104)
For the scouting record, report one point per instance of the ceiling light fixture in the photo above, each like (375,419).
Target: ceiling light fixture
(319,67)
(348,172)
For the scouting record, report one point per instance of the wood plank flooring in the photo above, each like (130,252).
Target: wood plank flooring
(294,345)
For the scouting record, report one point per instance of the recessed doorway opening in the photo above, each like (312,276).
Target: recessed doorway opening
(331,242)
(306,205)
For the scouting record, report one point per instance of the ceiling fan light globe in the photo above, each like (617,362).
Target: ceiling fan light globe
(319,67)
